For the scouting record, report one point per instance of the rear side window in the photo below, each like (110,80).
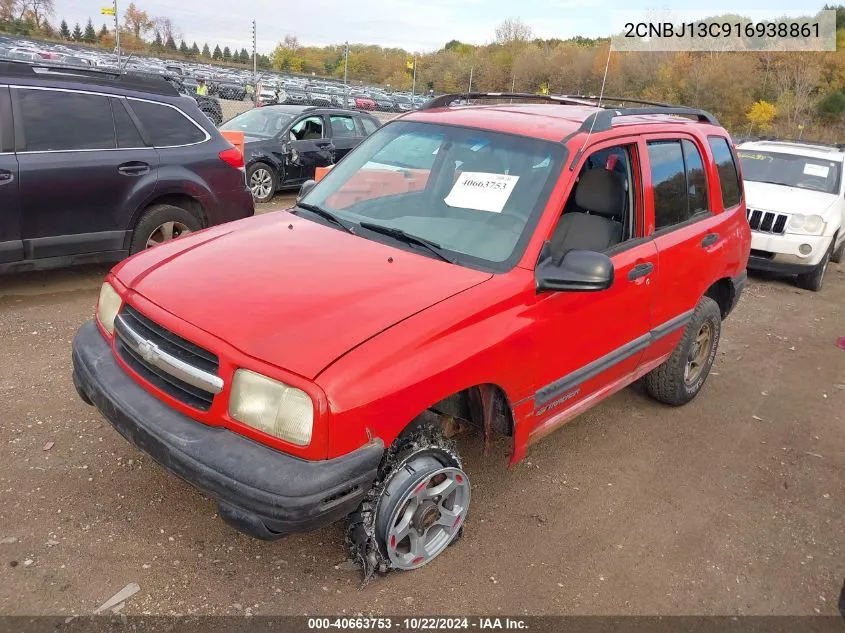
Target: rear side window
(696,178)
(369,126)
(728,175)
(166,126)
(127,133)
(46,117)
(669,183)
(343,126)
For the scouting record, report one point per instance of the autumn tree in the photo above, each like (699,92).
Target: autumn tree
(761,115)
(137,21)
(77,33)
(90,35)
(38,10)
(513,30)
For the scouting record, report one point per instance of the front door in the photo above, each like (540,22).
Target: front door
(11,246)
(590,341)
(309,147)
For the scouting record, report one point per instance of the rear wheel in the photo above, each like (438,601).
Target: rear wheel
(262,181)
(162,223)
(681,377)
(814,279)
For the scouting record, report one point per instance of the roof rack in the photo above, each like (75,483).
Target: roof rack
(597,122)
(126,80)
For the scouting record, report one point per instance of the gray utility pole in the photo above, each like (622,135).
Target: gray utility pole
(254,65)
(414,80)
(470,79)
(345,74)
(116,33)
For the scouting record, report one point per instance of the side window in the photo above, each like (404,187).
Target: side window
(343,126)
(127,133)
(728,175)
(166,126)
(369,125)
(696,178)
(668,182)
(307,129)
(47,115)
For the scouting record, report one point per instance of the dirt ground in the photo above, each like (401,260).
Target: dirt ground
(730,505)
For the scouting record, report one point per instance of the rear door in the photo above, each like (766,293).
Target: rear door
(679,203)
(88,204)
(11,246)
(344,133)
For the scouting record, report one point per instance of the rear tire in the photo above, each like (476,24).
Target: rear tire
(815,279)
(681,377)
(162,223)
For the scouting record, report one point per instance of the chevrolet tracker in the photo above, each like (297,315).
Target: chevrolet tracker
(499,266)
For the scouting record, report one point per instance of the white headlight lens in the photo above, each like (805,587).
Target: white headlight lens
(272,406)
(811,224)
(107,307)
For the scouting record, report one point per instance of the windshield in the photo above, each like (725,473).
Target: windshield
(474,193)
(260,122)
(790,170)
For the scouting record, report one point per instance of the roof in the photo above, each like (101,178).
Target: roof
(52,74)
(811,150)
(549,121)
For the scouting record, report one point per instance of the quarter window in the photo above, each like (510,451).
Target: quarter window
(728,175)
(696,178)
(166,126)
(343,126)
(369,126)
(678,180)
(45,115)
(127,133)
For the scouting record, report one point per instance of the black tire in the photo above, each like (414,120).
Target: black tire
(408,462)
(839,253)
(669,383)
(157,216)
(814,279)
(258,192)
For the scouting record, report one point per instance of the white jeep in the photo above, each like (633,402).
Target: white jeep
(796,207)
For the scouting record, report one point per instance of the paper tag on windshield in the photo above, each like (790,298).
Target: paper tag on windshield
(816,170)
(482,192)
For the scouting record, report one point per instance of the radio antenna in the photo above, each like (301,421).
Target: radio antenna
(598,105)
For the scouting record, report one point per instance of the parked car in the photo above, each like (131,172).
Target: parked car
(295,96)
(231,90)
(268,96)
(364,102)
(796,207)
(504,269)
(285,144)
(318,96)
(401,103)
(102,165)
(384,102)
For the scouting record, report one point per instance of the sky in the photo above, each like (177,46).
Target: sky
(415,25)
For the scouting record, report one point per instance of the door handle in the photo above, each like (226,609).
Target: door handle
(134,169)
(709,240)
(640,270)
(5,177)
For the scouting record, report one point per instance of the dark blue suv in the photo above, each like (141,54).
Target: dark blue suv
(96,166)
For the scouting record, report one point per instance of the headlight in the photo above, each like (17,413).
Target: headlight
(809,224)
(107,307)
(271,406)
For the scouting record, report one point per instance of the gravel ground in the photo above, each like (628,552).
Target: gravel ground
(730,505)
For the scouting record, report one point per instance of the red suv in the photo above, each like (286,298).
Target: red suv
(504,267)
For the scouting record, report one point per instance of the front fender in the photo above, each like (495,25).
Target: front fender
(273,159)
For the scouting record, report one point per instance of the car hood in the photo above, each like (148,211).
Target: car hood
(289,291)
(782,199)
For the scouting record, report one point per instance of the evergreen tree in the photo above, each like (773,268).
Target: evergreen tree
(205,52)
(227,54)
(77,32)
(157,44)
(217,54)
(195,49)
(90,34)
(183,48)
(64,31)
(170,44)
(244,56)
(104,31)
(47,29)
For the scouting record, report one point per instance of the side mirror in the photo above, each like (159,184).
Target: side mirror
(306,187)
(579,271)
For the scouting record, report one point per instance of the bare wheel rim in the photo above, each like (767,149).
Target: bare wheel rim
(166,232)
(427,518)
(261,183)
(699,353)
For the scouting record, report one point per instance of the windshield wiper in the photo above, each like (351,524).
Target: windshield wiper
(326,215)
(408,238)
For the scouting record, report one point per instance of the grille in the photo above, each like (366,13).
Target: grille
(172,344)
(767,221)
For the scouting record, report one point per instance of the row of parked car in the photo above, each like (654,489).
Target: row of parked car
(338,96)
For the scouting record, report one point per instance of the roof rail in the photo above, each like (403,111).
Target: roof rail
(126,80)
(444,101)
(603,119)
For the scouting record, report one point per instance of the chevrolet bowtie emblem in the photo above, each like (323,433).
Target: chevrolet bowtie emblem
(148,351)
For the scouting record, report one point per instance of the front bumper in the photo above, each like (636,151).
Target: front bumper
(260,491)
(780,254)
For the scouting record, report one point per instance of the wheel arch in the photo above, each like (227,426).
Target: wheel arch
(722,292)
(182,200)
